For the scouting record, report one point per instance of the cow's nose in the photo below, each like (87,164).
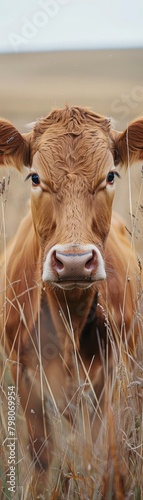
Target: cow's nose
(77,266)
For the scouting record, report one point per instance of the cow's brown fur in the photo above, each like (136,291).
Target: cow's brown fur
(72,151)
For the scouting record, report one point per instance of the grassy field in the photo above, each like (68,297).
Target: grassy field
(111,468)
(110,83)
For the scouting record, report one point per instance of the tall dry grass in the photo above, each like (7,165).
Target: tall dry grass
(110,468)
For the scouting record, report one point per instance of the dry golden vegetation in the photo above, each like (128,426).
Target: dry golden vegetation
(111,468)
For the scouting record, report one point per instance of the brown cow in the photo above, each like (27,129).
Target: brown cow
(72,276)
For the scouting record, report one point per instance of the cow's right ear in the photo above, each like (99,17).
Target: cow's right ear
(14,147)
(128,145)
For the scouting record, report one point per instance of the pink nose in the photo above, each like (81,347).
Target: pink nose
(74,265)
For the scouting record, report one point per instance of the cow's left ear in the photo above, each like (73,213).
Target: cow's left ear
(128,145)
(14,147)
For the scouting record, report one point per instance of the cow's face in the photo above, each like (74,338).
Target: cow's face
(73,183)
(70,154)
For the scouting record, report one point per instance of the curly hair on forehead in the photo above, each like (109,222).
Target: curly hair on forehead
(72,119)
(61,130)
(85,155)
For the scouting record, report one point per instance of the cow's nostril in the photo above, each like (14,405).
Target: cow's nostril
(90,264)
(57,263)
(68,264)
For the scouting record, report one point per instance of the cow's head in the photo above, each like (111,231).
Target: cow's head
(72,155)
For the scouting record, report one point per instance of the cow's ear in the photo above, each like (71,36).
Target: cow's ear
(14,147)
(128,145)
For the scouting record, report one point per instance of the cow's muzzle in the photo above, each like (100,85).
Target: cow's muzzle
(74,265)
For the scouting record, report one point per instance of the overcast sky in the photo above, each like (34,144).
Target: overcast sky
(27,25)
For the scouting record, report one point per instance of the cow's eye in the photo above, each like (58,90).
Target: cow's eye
(35,179)
(110,178)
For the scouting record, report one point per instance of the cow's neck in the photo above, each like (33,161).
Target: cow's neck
(70,311)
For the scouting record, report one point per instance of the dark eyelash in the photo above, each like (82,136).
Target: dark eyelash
(117,174)
(28,177)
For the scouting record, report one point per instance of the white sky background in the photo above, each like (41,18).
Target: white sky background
(28,25)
